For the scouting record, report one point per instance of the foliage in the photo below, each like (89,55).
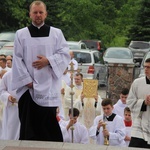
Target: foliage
(112,21)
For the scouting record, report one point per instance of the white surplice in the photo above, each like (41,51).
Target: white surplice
(128,133)
(88,112)
(46,81)
(119,108)
(116,130)
(10,123)
(80,133)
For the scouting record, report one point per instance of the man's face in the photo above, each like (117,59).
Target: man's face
(2,64)
(9,63)
(123,98)
(147,69)
(78,80)
(38,14)
(127,116)
(107,110)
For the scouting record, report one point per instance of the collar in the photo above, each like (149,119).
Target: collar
(121,104)
(38,26)
(147,80)
(109,118)
(128,123)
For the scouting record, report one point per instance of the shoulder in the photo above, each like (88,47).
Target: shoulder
(139,80)
(7,74)
(22,32)
(118,118)
(99,118)
(54,29)
(81,126)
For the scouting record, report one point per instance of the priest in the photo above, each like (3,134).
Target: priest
(40,57)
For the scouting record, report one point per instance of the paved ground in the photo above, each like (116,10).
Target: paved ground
(102,91)
(39,145)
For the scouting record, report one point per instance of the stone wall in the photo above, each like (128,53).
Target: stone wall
(119,76)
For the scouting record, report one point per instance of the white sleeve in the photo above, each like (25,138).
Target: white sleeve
(4,92)
(60,60)
(20,74)
(119,133)
(85,136)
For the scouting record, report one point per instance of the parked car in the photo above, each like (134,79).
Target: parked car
(6,37)
(76,45)
(94,44)
(118,55)
(141,74)
(90,62)
(7,49)
(139,49)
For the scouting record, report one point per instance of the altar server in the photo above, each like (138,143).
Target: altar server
(115,128)
(10,122)
(41,55)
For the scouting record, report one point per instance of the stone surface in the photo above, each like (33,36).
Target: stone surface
(120,76)
(39,145)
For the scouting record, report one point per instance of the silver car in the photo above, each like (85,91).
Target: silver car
(121,55)
(76,45)
(90,62)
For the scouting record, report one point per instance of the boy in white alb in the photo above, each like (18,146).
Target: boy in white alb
(121,104)
(80,132)
(10,123)
(128,125)
(115,128)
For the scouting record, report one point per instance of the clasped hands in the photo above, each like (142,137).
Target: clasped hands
(105,131)
(41,62)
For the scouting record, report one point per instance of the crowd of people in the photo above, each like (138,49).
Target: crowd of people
(35,94)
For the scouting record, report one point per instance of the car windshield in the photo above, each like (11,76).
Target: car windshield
(7,36)
(118,53)
(82,57)
(139,45)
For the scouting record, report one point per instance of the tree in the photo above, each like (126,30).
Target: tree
(140,30)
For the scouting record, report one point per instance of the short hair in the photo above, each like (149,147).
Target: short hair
(75,112)
(127,109)
(147,60)
(3,60)
(3,55)
(37,3)
(79,74)
(107,101)
(125,91)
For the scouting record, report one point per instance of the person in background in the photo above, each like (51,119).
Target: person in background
(10,121)
(128,125)
(77,89)
(89,108)
(9,57)
(2,56)
(41,55)
(3,65)
(115,128)
(139,103)
(121,104)
(9,63)
(80,132)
